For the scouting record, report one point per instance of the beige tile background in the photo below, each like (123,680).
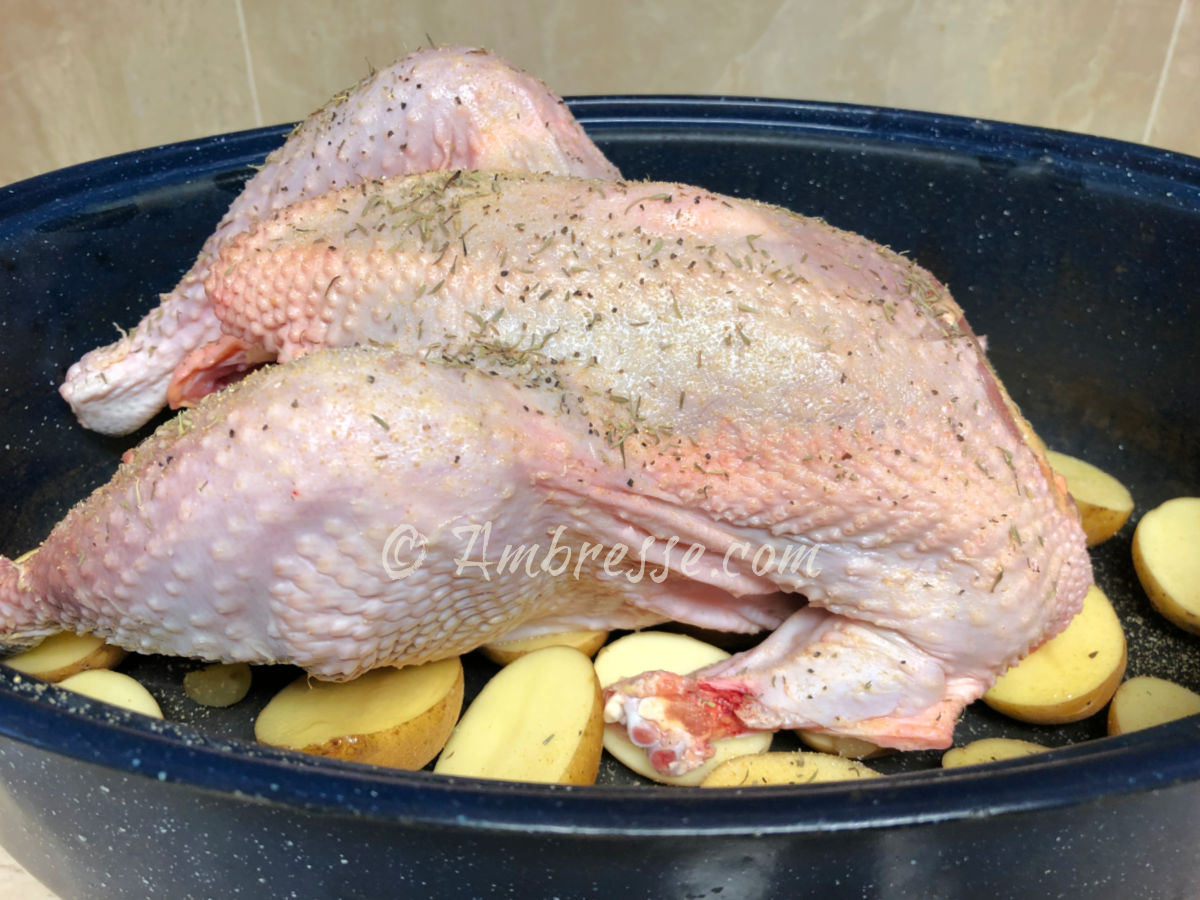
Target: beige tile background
(81,79)
(87,78)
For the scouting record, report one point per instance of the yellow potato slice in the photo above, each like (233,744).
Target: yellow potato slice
(800,767)
(1072,675)
(62,655)
(1104,503)
(218,685)
(989,750)
(645,651)
(1145,701)
(115,688)
(396,717)
(841,744)
(538,719)
(504,652)
(1166,556)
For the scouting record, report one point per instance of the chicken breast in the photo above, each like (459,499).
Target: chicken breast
(434,109)
(681,405)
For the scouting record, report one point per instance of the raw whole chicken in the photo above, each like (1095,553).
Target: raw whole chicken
(435,109)
(783,425)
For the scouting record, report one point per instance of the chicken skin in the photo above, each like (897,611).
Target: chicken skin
(780,425)
(434,109)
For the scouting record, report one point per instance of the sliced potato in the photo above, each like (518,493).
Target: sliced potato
(800,767)
(504,652)
(218,685)
(62,655)
(1072,675)
(989,750)
(841,744)
(1104,503)
(397,717)
(115,688)
(538,719)
(1145,701)
(645,651)
(1166,556)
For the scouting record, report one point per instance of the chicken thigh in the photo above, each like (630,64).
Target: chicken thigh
(434,109)
(682,405)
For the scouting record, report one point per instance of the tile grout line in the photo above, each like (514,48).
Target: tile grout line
(250,77)
(1162,75)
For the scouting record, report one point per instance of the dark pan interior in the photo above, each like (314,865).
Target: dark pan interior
(1076,257)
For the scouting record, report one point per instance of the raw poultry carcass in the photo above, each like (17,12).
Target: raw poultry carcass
(435,109)
(794,427)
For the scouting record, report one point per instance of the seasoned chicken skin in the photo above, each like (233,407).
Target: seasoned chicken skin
(434,109)
(256,527)
(785,426)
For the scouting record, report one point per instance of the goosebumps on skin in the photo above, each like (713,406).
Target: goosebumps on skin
(253,527)
(434,109)
(786,427)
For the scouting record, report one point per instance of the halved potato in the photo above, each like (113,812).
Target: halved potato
(988,750)
(538,719)
(1104,503)
(61,655)
(115,688)
(841,744)
(504,652)
(397,717)
(1072,675)
(218,685)
(645,651)
(1166,556)
(1145,701)
(800,767)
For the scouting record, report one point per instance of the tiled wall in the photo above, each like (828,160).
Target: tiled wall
(88,78)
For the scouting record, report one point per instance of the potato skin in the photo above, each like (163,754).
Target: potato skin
(409,745)
(503,652)
(1166,544)
(114,688)
(1104,503)
(1146,701)
(102,656)
(1071,710)
(1097,627)
(1100,523)
(585,764)
(516,726)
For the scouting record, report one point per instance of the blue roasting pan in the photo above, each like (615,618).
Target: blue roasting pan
(1078,258)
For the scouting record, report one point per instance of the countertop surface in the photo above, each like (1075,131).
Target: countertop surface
(16,882)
